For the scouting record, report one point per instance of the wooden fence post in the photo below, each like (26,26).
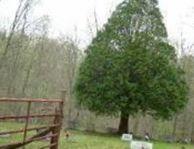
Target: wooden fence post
(63,97)
(58,120)
(26,123)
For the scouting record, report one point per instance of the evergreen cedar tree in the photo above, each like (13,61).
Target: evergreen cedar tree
(131,68)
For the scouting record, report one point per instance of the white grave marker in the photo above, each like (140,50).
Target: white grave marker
(141,145)
(127,137)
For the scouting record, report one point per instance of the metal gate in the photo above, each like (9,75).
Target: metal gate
(51,131)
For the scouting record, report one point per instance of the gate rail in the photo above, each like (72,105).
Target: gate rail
(50,131)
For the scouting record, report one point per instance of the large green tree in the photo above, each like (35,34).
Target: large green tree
(130,68)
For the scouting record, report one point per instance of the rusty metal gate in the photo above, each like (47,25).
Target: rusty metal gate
(51,131)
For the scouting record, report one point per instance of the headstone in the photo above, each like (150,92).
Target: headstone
(141,145)
(127,137)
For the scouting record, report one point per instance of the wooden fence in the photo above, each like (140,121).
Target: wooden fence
(51,131)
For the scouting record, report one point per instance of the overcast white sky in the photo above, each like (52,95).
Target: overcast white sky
(66,14)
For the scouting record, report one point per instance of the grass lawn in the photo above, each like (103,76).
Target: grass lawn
(82,140)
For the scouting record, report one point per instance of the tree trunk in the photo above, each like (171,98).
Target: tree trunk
(123,126)
(174,127)
(136,124)
(27,77)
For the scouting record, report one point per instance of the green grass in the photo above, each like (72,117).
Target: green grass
(96,141)
(16,137)
(83,140)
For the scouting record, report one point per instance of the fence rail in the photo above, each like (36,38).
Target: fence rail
(50,131)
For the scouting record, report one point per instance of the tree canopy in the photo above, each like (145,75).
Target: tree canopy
(130,67)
